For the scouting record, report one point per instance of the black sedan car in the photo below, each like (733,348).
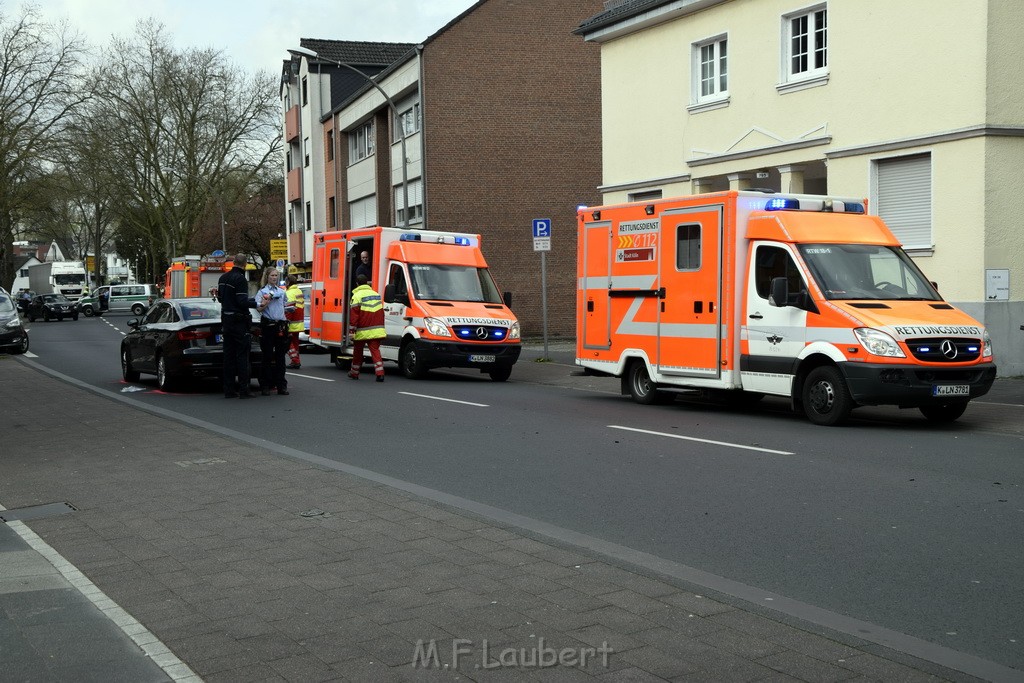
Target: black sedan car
(177,340)
(13,336)
(50,306)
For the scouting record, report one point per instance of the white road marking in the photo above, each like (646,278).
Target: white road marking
(691,438)
(318,379)
(450,400)
(29,354)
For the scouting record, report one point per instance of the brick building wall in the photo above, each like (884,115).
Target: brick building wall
(512,124)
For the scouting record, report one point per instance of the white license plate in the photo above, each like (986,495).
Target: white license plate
(481,359)
(219,338)
(951,390)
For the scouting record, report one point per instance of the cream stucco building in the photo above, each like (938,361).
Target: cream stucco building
(916,105)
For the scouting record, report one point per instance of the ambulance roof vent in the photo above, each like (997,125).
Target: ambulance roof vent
(458,240)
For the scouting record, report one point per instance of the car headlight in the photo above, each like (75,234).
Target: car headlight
(436,327)
(513,332)
(878,343)
(986,345)
(13,324)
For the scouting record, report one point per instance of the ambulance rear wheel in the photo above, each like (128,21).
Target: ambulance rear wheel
(410,363)
(826,400)
(642,388)
(944,412)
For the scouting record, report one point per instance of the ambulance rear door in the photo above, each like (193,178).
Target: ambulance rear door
(690,327)
(595,314)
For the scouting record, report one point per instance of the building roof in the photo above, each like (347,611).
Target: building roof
(623,10)
(357,52)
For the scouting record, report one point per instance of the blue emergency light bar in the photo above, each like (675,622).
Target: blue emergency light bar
(823,205)
(457,240)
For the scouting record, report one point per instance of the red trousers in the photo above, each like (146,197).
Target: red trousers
(357,356)
(293,349)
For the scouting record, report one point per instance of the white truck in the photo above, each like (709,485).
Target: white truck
(59,277)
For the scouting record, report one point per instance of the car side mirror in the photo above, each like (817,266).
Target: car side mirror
(389,294)
(507,298)
(133,323)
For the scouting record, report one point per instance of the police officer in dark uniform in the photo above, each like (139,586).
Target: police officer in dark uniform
(236,322)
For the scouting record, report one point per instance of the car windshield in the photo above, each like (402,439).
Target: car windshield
(6,305)
(55,298)
(866,271)
(453,283)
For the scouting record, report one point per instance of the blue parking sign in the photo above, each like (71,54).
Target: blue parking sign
(542,227)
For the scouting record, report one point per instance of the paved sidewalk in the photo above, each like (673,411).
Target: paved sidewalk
(251,566)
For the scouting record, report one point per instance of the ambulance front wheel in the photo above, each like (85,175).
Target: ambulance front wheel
(944,412)
(500,373)
(826,399)
(642,388)
(410,362)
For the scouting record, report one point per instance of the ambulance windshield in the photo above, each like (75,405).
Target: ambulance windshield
(453,283)
(866,271)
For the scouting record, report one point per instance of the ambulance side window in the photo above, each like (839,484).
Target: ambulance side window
(688,247)
(334,263)
(397,284)
(773,262)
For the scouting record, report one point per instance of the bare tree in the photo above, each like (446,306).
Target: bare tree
(179,125)
(41,68)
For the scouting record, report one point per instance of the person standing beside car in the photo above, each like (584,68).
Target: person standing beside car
(236,322)
(274,337)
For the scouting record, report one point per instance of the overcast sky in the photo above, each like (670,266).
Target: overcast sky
(255,33)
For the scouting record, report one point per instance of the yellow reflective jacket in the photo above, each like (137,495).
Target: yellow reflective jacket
(294,309)
(366,316)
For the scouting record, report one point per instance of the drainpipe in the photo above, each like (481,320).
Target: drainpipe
(423,141)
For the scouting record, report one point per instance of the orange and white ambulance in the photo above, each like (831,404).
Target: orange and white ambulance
(192,276)
(751,293)
(441,306)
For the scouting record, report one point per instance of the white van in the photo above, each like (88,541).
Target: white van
(119,299)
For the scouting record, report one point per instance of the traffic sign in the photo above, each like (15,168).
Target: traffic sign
(278,249)
(280,264)
(542,227)
(542,244)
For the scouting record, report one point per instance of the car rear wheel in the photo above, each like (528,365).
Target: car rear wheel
(129,373)
(163,377)
(410,363)
(826,399)
(944,412)
(138,309)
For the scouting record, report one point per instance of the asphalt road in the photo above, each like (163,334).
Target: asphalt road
(887,520)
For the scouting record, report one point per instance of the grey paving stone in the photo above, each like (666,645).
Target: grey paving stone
(738,643)
(633,602)
(654,661)
(574,600)
(696,603)
(621,620)
(806,668)
(304,667)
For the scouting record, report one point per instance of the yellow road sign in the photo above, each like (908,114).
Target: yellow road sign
(279,250)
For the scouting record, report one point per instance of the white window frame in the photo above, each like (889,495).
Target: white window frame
(361,143)
(711,72)
(415,202)
(409,121)
(816,37)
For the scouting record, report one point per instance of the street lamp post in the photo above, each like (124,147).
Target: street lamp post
(220,205)
(306,52)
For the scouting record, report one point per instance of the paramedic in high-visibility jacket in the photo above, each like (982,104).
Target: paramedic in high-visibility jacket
(366,324)
(295,314)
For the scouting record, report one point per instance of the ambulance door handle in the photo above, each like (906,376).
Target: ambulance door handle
(755,316)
